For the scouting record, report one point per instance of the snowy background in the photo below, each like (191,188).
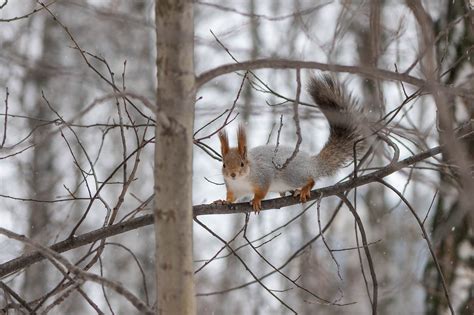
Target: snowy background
(43,193)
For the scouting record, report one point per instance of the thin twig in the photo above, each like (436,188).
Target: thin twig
(226,121)
(318,206)
(296,118)
(6,119)
(431,205)
(245,265)
(293,281)
(25,16)
(208,261)
(374,299)
(277,146)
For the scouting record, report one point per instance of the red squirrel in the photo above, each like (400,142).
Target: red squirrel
(255,171)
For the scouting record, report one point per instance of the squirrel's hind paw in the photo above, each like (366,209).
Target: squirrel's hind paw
(302,194)
(305,191)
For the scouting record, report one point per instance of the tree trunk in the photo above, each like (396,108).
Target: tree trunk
(43,177)
(173,157)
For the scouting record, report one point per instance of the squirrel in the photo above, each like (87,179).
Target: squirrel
(256,171)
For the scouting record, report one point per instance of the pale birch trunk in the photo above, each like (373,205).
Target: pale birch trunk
(173,157)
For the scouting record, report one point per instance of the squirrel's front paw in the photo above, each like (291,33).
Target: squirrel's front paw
(256,205)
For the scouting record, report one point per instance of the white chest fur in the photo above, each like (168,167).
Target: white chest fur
(280,186)
(240,186)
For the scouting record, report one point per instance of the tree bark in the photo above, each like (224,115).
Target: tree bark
(173,157)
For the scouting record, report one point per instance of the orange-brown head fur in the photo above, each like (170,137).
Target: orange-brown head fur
(235,163)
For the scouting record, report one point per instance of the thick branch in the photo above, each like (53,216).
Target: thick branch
(23,261)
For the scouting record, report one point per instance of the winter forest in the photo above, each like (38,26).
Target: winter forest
(112,194)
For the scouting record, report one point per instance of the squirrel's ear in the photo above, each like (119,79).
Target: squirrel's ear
(224,142)
(242,141)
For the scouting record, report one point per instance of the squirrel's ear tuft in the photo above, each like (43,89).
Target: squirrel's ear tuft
(242,141)
(224,142)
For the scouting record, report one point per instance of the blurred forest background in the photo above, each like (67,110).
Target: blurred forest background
(66,130)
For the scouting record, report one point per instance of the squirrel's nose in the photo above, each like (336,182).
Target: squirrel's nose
(232,174)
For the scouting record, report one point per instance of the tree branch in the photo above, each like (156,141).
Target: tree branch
(26,260)
(55,258)
(375,73)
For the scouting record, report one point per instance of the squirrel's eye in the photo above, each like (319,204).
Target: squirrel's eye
(241,164)
(223,165)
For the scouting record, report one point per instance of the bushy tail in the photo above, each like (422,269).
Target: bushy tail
(339,109)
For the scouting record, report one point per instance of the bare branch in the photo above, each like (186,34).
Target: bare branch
(426,237)
(245,265)
(25,16)
(208,209)
(54,256)
(351,208)
(296,118)
(262,16)
(209,75)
